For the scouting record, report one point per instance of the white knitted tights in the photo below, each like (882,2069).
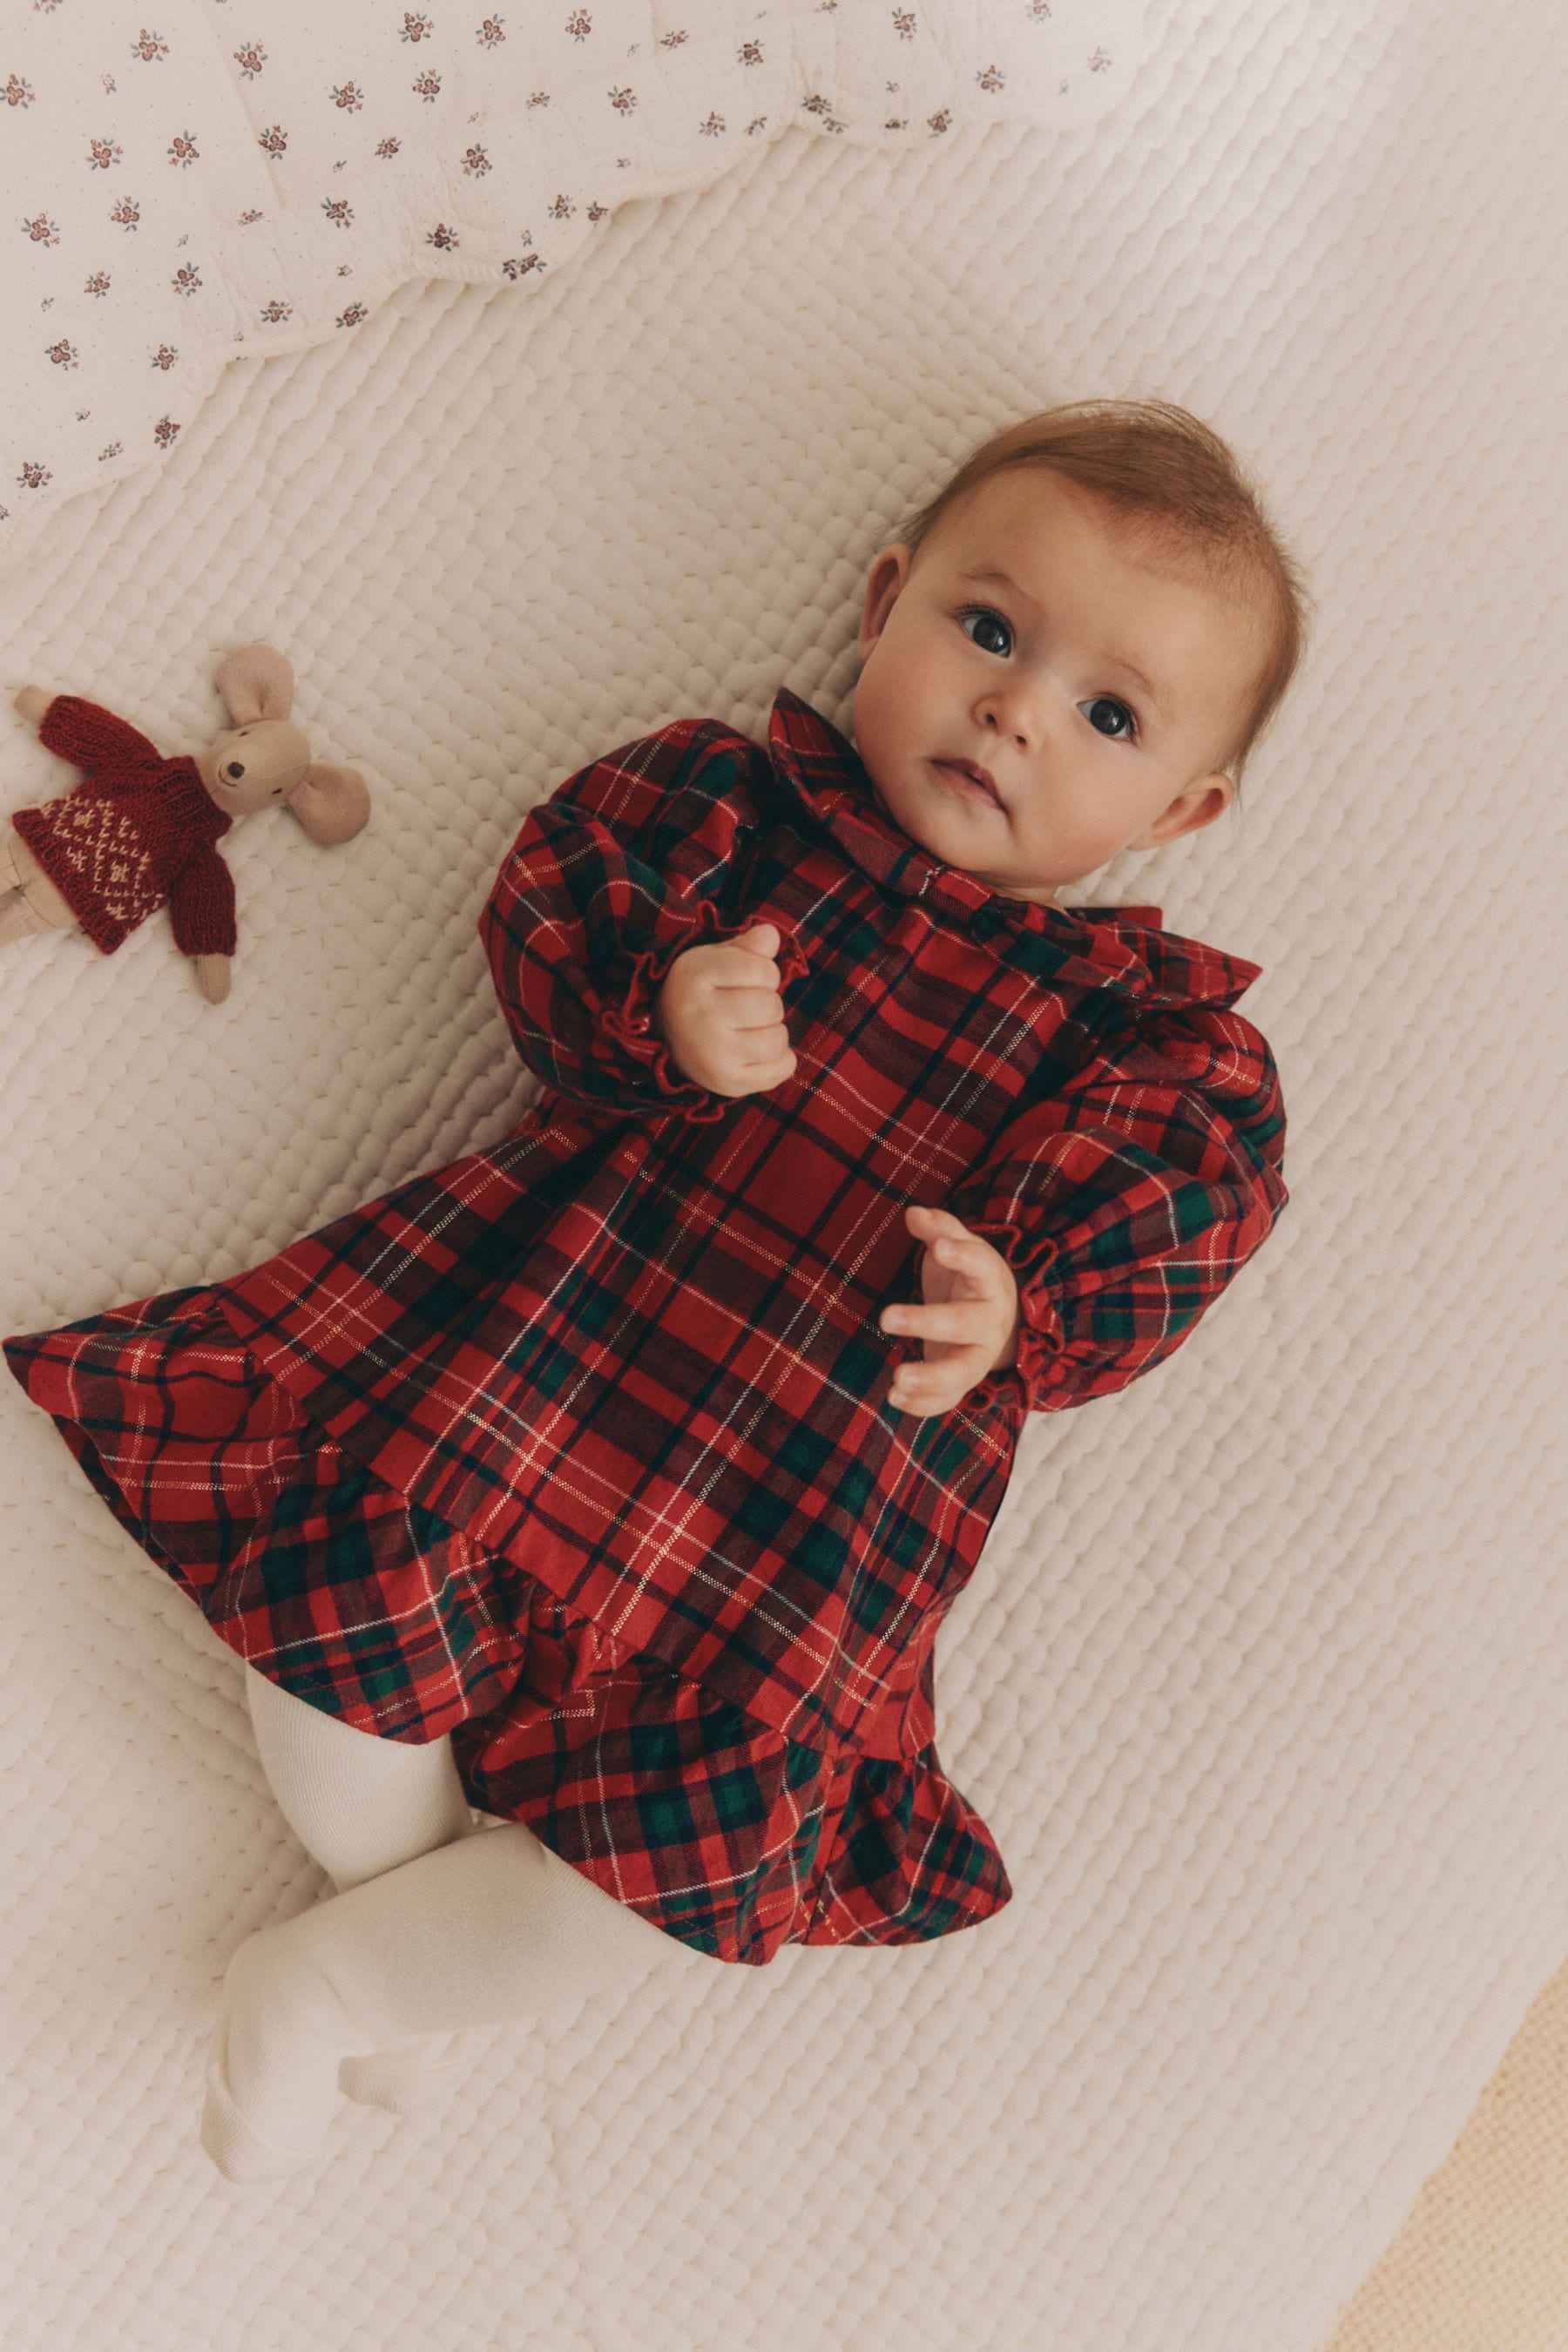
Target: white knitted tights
(438,1928)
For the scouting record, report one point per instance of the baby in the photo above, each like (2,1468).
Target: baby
(615,1480)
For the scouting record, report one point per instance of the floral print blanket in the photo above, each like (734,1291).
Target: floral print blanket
(188,182)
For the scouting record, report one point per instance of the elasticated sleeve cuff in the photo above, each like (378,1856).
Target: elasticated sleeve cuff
(627,1017)
(1041,1335)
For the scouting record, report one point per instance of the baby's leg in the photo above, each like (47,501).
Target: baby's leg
(360,1806)
(357,1804)
(488,1930)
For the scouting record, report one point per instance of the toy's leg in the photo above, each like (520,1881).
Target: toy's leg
(491,1930)
(361,1806)
(37,905)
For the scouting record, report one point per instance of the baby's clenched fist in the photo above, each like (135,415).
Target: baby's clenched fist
(718,1012)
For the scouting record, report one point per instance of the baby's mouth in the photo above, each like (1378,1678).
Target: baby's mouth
(979,783)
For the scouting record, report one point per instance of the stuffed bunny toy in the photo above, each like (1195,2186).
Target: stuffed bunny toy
(140,829)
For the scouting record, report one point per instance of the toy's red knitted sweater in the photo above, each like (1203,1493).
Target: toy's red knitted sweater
(138,829)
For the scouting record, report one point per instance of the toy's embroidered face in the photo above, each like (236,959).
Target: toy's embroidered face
(254,766)
(1090,685)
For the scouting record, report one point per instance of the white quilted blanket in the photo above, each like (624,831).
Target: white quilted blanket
(1261,1682)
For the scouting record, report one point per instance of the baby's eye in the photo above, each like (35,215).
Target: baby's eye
(993,620)
(1110,717)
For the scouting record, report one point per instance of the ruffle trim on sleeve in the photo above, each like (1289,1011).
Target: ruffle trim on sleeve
(629,1020)
(1041,1334)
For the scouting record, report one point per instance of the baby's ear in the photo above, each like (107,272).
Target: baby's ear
(256,682)
(331,803)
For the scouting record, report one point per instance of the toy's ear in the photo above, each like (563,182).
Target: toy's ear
(331,803)
(256,682)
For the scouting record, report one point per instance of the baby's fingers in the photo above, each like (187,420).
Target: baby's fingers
(922,1389)
(960,1319)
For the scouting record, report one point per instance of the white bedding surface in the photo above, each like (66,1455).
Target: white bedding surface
(1261,1682)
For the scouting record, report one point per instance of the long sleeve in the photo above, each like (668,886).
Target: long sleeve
(94,738)
(201,904)
(634,858)
(1126,1204)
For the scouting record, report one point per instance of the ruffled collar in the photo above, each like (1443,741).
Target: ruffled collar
(1078,947)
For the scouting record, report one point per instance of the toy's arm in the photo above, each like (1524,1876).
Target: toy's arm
(92,738)
(201,913)
(1126,1204)
(633,859)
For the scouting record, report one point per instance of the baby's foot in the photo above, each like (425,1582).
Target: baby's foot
(272,2073)
(407,2077)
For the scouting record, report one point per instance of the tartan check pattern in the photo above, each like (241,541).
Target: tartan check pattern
(631,1353)
(709,1824)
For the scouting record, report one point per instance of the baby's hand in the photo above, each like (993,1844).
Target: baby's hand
(970,1319)
(718,1012)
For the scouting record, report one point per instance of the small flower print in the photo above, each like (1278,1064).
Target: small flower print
(490,34)
(937,123)
(274,311)
(476,163)
(816,104)
(62,353)
(41,230)
(274,141)
(1037,11)
(1099,62)
(539,97)
(561,209)
(623,101)
(389,147)
(896,123)
(32,476)
(98,283)
(250,60)
(443,238)
(112,451)
(82,414)
(165,355)
(904,23)
(186,279)
(352,315)
(163,432)
(427,86)
(416,28)
(183,151)
(102,153)
(597,212)
(18,93)
(672,40)
(579,24)
(712,127)
(348,96)
(750,53)
(760,123)
(126,213)
(245,218)
(522,264)
(148,47)
(338,211)
(992,78)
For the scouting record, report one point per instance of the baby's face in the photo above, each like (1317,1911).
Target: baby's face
(1099,690)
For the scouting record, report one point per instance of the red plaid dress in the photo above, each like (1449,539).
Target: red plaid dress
(579,1448)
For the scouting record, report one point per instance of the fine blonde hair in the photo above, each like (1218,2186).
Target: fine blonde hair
(1179,489)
